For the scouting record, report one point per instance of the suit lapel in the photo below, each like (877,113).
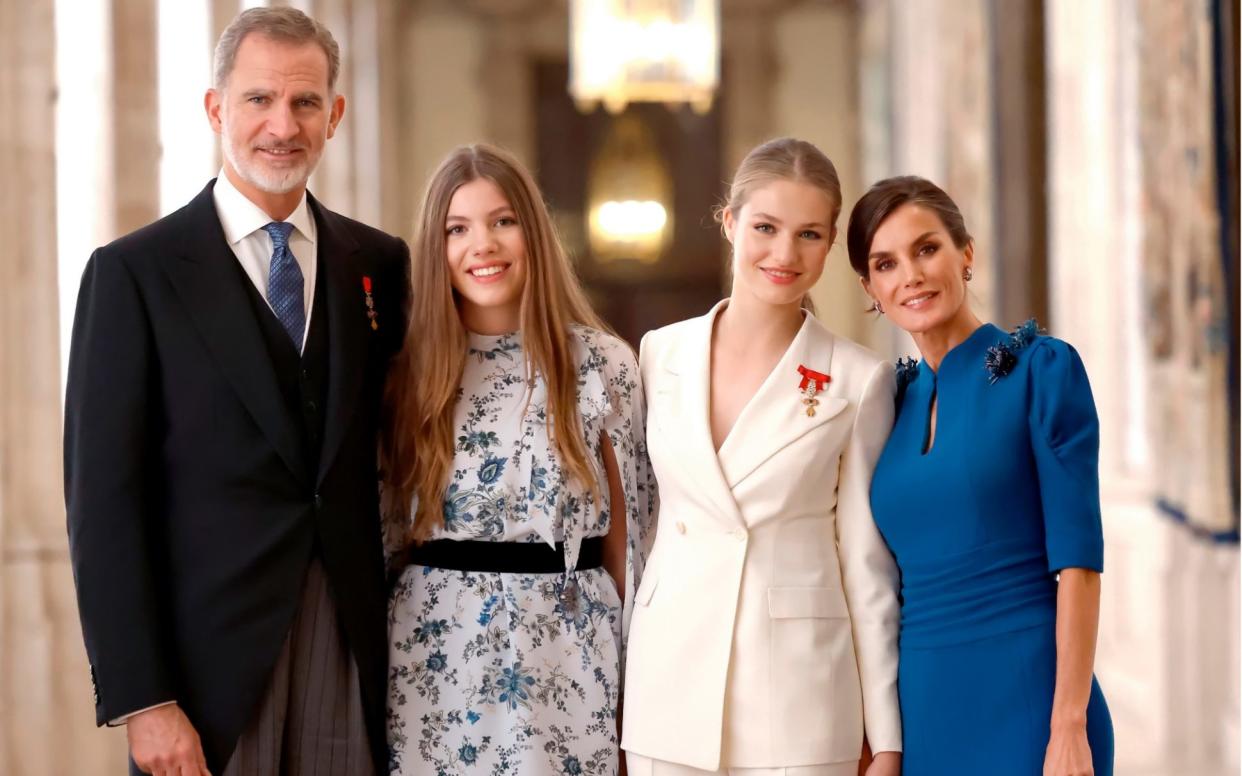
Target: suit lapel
(347,328)
(690,397)
(775,417)
(209,283)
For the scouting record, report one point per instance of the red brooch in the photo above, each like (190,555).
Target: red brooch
(366,289)
(812,383)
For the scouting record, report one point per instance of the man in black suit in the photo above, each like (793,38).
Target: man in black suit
(220,444)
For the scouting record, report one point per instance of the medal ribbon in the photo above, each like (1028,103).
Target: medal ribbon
(808,375)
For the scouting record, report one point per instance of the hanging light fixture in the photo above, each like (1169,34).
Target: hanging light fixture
(629,195)
(626,51)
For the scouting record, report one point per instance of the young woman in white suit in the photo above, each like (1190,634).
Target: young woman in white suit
(764,636)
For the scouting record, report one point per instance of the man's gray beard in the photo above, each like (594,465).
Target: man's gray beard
(254,175)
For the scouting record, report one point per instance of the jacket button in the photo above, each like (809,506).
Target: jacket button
(740,535)
(681,527)
(318,501)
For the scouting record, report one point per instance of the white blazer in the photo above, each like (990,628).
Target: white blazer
(765,627)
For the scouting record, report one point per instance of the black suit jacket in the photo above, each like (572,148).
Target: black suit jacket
(192,510)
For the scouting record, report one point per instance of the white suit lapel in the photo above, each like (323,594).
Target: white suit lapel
(687,399)
(776,417)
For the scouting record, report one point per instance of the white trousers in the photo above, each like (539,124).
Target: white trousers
(637,765)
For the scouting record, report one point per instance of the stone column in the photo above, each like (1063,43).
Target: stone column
(135,146)
(46,712)
(399,185)
(749,72)
(506,70)
(221,13)
(334,179)
(1021,265)
(1167,653)
(351,172)
(817,100)
(46,709)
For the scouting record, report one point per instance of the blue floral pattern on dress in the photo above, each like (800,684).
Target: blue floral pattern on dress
(519,674)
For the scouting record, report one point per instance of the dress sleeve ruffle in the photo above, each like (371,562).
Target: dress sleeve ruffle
(1065,440)
(610,397)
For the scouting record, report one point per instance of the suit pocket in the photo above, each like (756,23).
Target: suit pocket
(811,647)
(786,603)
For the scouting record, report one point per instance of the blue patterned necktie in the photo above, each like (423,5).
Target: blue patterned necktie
(284,283)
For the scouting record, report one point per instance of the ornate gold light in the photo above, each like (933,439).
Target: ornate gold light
(626,51)
(629,195)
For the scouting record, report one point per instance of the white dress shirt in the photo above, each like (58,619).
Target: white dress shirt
(243,223)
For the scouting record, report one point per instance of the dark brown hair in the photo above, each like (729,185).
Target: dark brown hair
(883,199)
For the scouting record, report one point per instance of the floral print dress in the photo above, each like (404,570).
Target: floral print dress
(498,673)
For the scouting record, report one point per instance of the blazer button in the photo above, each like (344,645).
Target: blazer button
(318,501)
(681,527)
(740,535)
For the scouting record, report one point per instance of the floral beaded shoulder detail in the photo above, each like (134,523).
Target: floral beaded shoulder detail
(1002,357)
(907,369)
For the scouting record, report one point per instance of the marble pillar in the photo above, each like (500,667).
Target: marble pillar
(46,709)
(749,70)
(1167,656)
(46,713)
(817,99)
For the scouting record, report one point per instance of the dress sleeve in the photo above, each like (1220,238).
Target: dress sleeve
(625,426)
(868,571)
(1065,440)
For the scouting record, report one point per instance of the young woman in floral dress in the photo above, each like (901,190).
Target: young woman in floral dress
(515,493)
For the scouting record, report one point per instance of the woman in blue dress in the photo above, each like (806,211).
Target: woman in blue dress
(988,495)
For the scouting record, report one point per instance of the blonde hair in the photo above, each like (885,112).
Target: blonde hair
(786,159)
(782,159)
(417,440)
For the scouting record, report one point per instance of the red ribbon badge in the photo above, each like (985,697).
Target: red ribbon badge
(808,375)
(366,289)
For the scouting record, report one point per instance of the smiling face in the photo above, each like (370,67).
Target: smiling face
(486,252)
(916,272)
(274,116)
(781,236)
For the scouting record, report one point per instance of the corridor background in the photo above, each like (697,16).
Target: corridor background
(1091,143)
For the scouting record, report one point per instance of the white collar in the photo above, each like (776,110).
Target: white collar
(241,218)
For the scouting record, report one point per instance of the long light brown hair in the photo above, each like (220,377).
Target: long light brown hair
(417,442)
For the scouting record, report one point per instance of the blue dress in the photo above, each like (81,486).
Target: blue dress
(1007,495)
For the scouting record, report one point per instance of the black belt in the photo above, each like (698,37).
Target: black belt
(504,557)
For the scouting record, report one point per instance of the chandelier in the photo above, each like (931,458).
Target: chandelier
(624,51)
(629,194)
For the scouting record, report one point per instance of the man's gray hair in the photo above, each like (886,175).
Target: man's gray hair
(283,24)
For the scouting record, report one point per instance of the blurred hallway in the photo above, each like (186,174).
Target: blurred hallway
(1092,147)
